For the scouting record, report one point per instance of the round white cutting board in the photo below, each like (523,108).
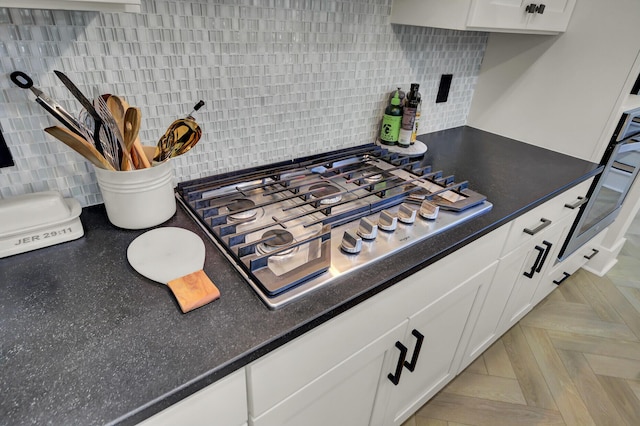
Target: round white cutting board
(164,254)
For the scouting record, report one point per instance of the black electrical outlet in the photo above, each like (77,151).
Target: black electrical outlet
(443,90)
(5,155)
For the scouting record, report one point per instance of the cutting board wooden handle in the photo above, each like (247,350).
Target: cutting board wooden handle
(194,290)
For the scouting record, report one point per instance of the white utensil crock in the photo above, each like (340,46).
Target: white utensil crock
(138,199)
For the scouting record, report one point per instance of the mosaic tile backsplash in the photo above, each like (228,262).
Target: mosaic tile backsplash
(280,78)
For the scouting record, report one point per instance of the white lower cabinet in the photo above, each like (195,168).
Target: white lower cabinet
(521,270)
(343,395)
(423,361)
(344,371)
(531,249)
(224,403)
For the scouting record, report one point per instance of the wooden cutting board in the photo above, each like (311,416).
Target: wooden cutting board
(174,256)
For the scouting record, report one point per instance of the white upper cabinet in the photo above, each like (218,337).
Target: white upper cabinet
(97,5)
(517,16)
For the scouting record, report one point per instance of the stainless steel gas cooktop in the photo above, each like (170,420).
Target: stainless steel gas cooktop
(292,227)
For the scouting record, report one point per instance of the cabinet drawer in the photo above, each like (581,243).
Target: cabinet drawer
(553,210)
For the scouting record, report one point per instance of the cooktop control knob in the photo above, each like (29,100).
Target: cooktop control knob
(367,229)
(387,221)
(351,242)
(428,210)
(406,214)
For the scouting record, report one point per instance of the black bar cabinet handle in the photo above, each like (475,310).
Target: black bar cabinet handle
(581,201)
(540,9)
(534,231)
(544,256)
(416,351)
(535,264)
(561,280)
(531,8)
(592,254)
(395,378)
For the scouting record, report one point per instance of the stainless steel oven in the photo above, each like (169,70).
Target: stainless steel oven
(621,163)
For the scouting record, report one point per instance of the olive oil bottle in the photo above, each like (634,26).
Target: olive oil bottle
(391,121)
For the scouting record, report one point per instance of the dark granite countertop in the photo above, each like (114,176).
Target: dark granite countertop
(84,339)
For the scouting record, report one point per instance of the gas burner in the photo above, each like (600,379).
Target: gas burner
(277,239)
(374,178)
(321,190)
(240,205)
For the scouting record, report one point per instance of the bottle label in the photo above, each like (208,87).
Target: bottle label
(416,123)
(390,128)
(408,118)
(405,137)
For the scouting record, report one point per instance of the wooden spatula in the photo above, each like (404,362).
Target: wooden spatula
(80,145)
(174,256)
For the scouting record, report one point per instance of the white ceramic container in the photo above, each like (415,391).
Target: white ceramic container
(138,199)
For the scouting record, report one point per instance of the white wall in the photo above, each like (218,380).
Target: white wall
(559,92)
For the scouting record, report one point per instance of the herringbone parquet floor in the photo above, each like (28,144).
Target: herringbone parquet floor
(573,360)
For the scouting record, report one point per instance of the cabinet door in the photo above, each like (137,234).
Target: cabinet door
(498,14)
(523,269)
(480,331)
(342,396)
(431,340)
(222,403)
(527,16)
(554,17)
(547,285)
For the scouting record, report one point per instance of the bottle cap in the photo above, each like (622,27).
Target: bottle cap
(396,99)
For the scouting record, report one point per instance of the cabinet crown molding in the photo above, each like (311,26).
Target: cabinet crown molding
(83,5)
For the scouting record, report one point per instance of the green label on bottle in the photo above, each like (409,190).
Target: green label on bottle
(390,128)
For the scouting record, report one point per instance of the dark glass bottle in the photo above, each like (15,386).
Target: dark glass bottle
(412,101)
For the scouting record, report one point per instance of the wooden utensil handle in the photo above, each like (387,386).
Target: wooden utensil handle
(80,145)
(194,290)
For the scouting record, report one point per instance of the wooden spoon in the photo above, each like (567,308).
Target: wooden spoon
(118,109)
(119,106)
(131,129)
(80,145)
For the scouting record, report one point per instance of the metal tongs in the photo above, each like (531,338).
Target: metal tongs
(23,81)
